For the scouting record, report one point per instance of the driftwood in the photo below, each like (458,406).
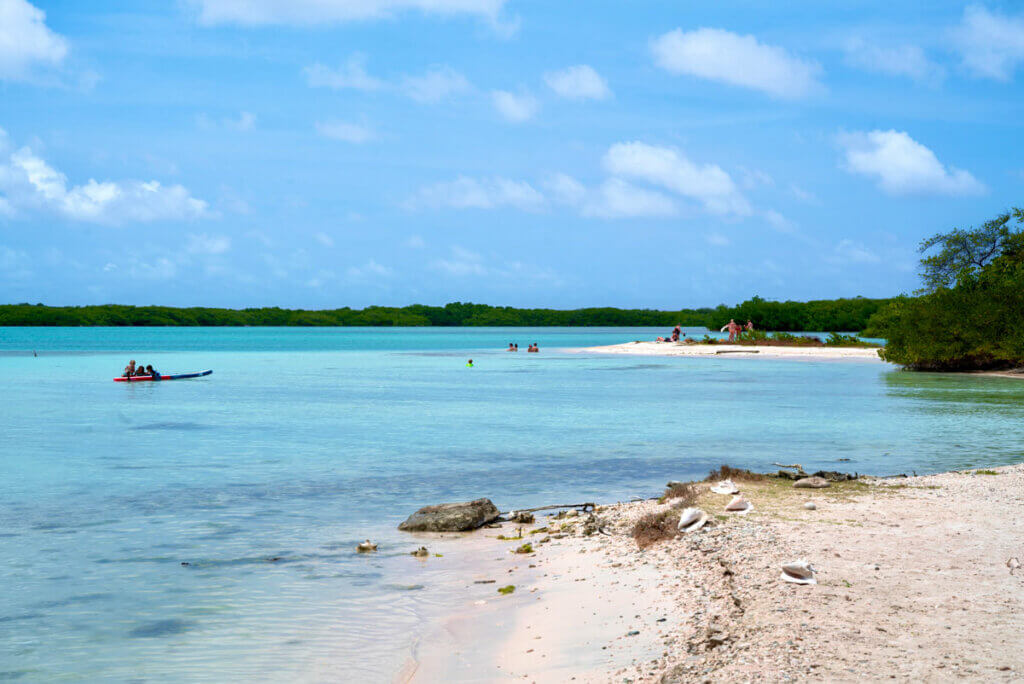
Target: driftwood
(583,506)
(738,351)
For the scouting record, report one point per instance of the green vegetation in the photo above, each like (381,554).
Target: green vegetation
(525,548)
(968,316)
(828,315)
(504,591)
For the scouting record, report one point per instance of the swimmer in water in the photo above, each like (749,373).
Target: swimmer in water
(469,364)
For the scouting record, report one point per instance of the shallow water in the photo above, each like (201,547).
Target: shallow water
(305,441)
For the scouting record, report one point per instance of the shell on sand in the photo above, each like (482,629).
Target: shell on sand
(798,572)
(811,506)
(739,505)
(691,520)
(725,487)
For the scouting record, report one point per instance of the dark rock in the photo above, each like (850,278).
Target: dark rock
(451,517)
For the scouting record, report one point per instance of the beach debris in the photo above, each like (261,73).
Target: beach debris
(633,632)
(811,506)
(366,547)
(691,520)
(506,590)
(484,581)
(420,552)
(451,517)
(798,572)
(812,483)
(725,487)
(524,517)
(1013,564)
(739,505)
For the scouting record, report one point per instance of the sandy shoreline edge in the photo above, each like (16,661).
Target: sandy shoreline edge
(914,575)
(642,348)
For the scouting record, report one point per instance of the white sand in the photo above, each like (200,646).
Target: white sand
(726,351)
(913,585)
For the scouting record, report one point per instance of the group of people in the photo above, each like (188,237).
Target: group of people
(133,371)
(513,347)
(735,329)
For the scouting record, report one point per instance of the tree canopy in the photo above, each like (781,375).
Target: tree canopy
(970,315)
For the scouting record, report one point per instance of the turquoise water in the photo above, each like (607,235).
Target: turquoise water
(305,441)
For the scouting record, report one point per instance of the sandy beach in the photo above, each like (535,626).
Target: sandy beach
(915,582)
(735,351)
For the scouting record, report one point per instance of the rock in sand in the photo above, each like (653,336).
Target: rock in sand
(812,483)
(451,517)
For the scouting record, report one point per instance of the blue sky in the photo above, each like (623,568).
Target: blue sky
(323,153)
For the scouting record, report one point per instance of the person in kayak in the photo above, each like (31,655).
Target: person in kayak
(129,370)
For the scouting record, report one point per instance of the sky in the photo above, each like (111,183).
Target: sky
(547,153)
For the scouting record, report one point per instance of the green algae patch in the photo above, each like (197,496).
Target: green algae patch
(505,591)
(525,548)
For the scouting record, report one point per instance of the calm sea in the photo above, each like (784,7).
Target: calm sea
(263,476)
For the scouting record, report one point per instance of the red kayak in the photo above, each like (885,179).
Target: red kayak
(161,378)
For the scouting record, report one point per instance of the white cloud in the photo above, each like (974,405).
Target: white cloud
(515,107)
(778,221)
(29,183)
(345,131)
(848,250)
(435,85)
(903,60)
(324,239)
(462,263)
(415,242)
(717,239)
(579,82)
(753,178)
(903,166)
(208,244)
(719,55)
(485,193)
(616,198)
(352,75)
(991,44)
(313,12)
(370,269)
(666,167)
(25,40)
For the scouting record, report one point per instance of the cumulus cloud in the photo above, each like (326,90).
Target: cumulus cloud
(345,131)
(313,12)
(28,183)
(718,55)
(579,82)
(208,244)
(991,44)
(484,193)
(902,166)
(352,74)
(515,107)
(909,61)
(669,169)
(25,41)
(437,84)
(614,198)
